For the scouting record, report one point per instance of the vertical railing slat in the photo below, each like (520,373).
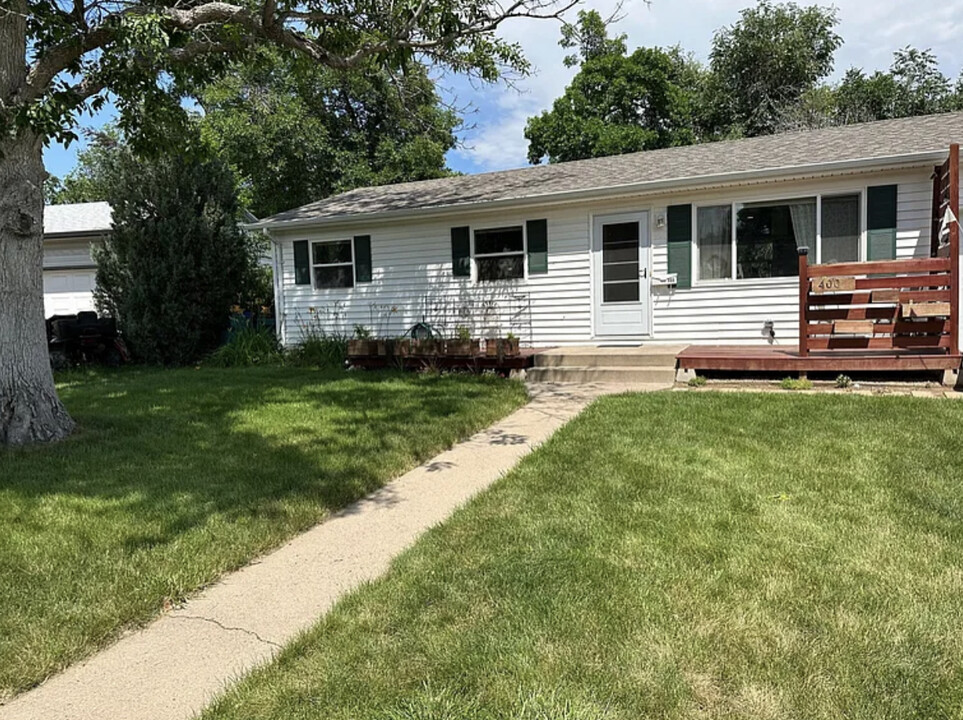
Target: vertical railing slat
(803,301)
(954,203)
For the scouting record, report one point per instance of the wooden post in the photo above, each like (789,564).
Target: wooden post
(954,203)
(803,301)
(936,217)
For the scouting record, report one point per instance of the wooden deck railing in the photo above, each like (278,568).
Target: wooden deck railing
(908,306)
(898,305)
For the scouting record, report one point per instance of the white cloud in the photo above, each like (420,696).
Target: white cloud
(871,29)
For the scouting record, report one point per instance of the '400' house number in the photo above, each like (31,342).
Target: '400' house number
(833,284)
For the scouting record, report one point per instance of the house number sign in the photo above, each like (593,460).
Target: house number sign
(833,284)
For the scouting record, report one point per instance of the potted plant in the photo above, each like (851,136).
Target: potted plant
(362,344)
(462,345)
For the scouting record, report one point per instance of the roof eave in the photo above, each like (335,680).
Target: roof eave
(876,163)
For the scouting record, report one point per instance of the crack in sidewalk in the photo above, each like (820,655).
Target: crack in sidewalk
(228,628)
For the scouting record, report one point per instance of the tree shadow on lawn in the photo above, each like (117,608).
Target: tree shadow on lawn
(176,476)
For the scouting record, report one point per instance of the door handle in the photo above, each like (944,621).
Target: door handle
(644,273)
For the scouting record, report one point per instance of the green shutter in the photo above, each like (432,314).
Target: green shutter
(302,264)
(461,251)
(881,210)
(881,245)
(537,231)
(362,258)
(679,221)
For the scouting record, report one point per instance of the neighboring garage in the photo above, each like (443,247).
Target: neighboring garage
(70,232)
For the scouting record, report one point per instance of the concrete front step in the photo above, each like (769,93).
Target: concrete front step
(649,356)
(601,374)
(560,358)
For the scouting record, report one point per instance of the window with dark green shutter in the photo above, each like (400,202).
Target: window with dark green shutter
(679,229)
(362,258)
(537,231)
(461,251)
(302,263)
(881,212)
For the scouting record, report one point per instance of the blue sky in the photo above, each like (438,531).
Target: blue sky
(871,30)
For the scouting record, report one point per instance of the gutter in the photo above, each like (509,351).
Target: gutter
(613,191)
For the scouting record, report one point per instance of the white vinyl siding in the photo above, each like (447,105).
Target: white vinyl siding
(412,275)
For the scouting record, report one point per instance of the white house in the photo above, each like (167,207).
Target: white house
(691,244)
(69,271)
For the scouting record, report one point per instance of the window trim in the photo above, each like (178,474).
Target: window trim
(734,204)
(313,265)
(523,253)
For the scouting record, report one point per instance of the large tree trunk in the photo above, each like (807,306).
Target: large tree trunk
(30,410)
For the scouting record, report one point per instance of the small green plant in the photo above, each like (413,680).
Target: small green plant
(697,381)
(248,346)
(463,333)
(511,336)
(844,381)
(796,384)
(361,333)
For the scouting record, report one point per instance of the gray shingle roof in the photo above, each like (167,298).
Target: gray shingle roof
(76,219)
(868,141)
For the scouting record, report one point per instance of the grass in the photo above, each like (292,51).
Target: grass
(673,555)
(178,476)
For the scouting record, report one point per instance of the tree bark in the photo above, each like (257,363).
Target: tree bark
(30,410)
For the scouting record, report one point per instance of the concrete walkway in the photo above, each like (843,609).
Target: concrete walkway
(175,666)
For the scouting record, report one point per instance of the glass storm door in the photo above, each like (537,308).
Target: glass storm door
(621,254)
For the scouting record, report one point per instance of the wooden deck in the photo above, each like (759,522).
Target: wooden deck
(769,358)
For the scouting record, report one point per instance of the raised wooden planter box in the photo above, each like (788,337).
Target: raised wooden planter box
(360,348)
(501,347)
(426,348)
(460,348)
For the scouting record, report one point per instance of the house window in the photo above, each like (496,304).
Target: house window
(714,239)
(332,265)
(839,229)
(768,236)
(500,254)
(762,239)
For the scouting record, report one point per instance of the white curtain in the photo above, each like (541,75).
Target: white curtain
(804,225)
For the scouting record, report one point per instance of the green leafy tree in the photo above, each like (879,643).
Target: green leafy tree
(176,259)
(617,102)
(764,63)
(295,132)
(59,58)
(88,180)
(913,85)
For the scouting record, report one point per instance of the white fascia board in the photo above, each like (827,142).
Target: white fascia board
(891,162)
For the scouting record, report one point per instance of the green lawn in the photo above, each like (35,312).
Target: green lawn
(674,555)
(177,476)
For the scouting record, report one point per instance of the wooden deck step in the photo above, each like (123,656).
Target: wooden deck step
(767,358)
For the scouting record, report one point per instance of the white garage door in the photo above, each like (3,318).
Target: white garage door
(66,292)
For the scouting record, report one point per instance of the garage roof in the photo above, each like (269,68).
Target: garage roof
(76,219)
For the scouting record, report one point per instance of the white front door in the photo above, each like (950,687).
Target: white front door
(621,255)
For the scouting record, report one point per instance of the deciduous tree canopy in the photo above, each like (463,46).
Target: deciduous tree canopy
(294,131)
